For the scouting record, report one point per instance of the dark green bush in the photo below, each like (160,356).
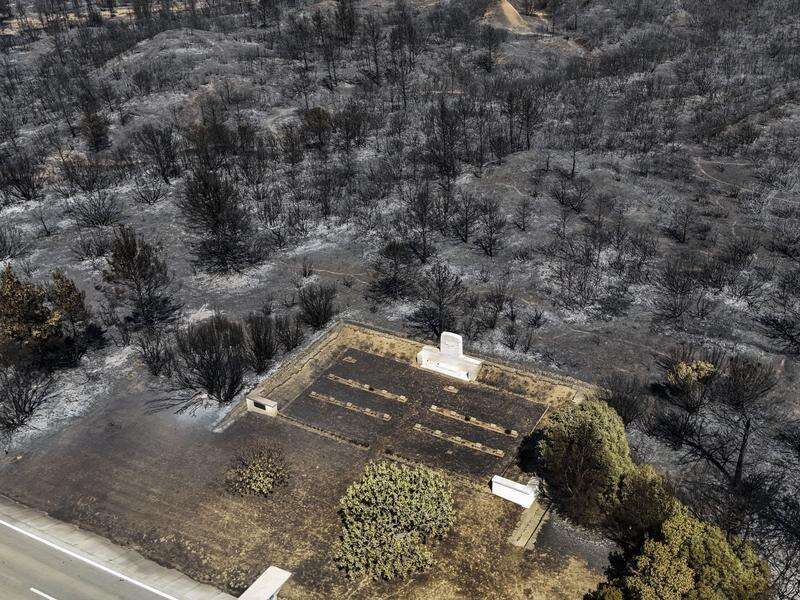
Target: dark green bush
(583,454)
(389,517)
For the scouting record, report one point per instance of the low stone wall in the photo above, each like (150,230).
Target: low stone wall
(299,369)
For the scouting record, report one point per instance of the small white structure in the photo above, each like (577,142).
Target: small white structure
(518,493)
(267,586)
(262,406)
(449,358)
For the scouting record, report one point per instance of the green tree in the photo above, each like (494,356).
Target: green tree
(70,302)
(583,454)
(42,324)
(643,504)
(388,518)
(691,560)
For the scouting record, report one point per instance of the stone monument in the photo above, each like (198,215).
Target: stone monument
(449,358)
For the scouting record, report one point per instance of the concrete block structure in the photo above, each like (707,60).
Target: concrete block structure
(518,493)
(262,406)
(267,586)
(449,358)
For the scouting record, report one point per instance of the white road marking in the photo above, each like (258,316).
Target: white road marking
(42,594)
(88,561)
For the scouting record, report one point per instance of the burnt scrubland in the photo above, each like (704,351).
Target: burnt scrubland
(190,191)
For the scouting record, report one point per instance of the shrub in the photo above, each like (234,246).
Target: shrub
(394,272)
(94,128)
(687,374)
(137,275)
(388,518)
(158,146)
(222,227)
(262,341)
(22,391)
(316,304)
(257,471)
(440,292)
(317,126)
(210,358)
(13,242)
(583,454)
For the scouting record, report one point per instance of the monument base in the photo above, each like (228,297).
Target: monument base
(449,359)
(432,359)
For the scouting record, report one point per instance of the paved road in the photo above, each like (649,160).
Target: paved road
(31,570)
(43,558)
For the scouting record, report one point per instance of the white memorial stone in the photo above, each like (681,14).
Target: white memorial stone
(451,344)
(449,358)
(518,493)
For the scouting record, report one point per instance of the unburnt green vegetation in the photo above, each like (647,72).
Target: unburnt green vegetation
(390,517)
(665,552)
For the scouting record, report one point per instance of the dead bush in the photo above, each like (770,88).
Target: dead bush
(97,209)
(23,391)
(13,242)
(316,304)
(94,245)
(262,341)
(210,361)
(155,351)
(289,331)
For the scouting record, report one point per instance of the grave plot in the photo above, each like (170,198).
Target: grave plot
(331,383)
(466,429)
(393,406)
(434,451)
(340,415)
